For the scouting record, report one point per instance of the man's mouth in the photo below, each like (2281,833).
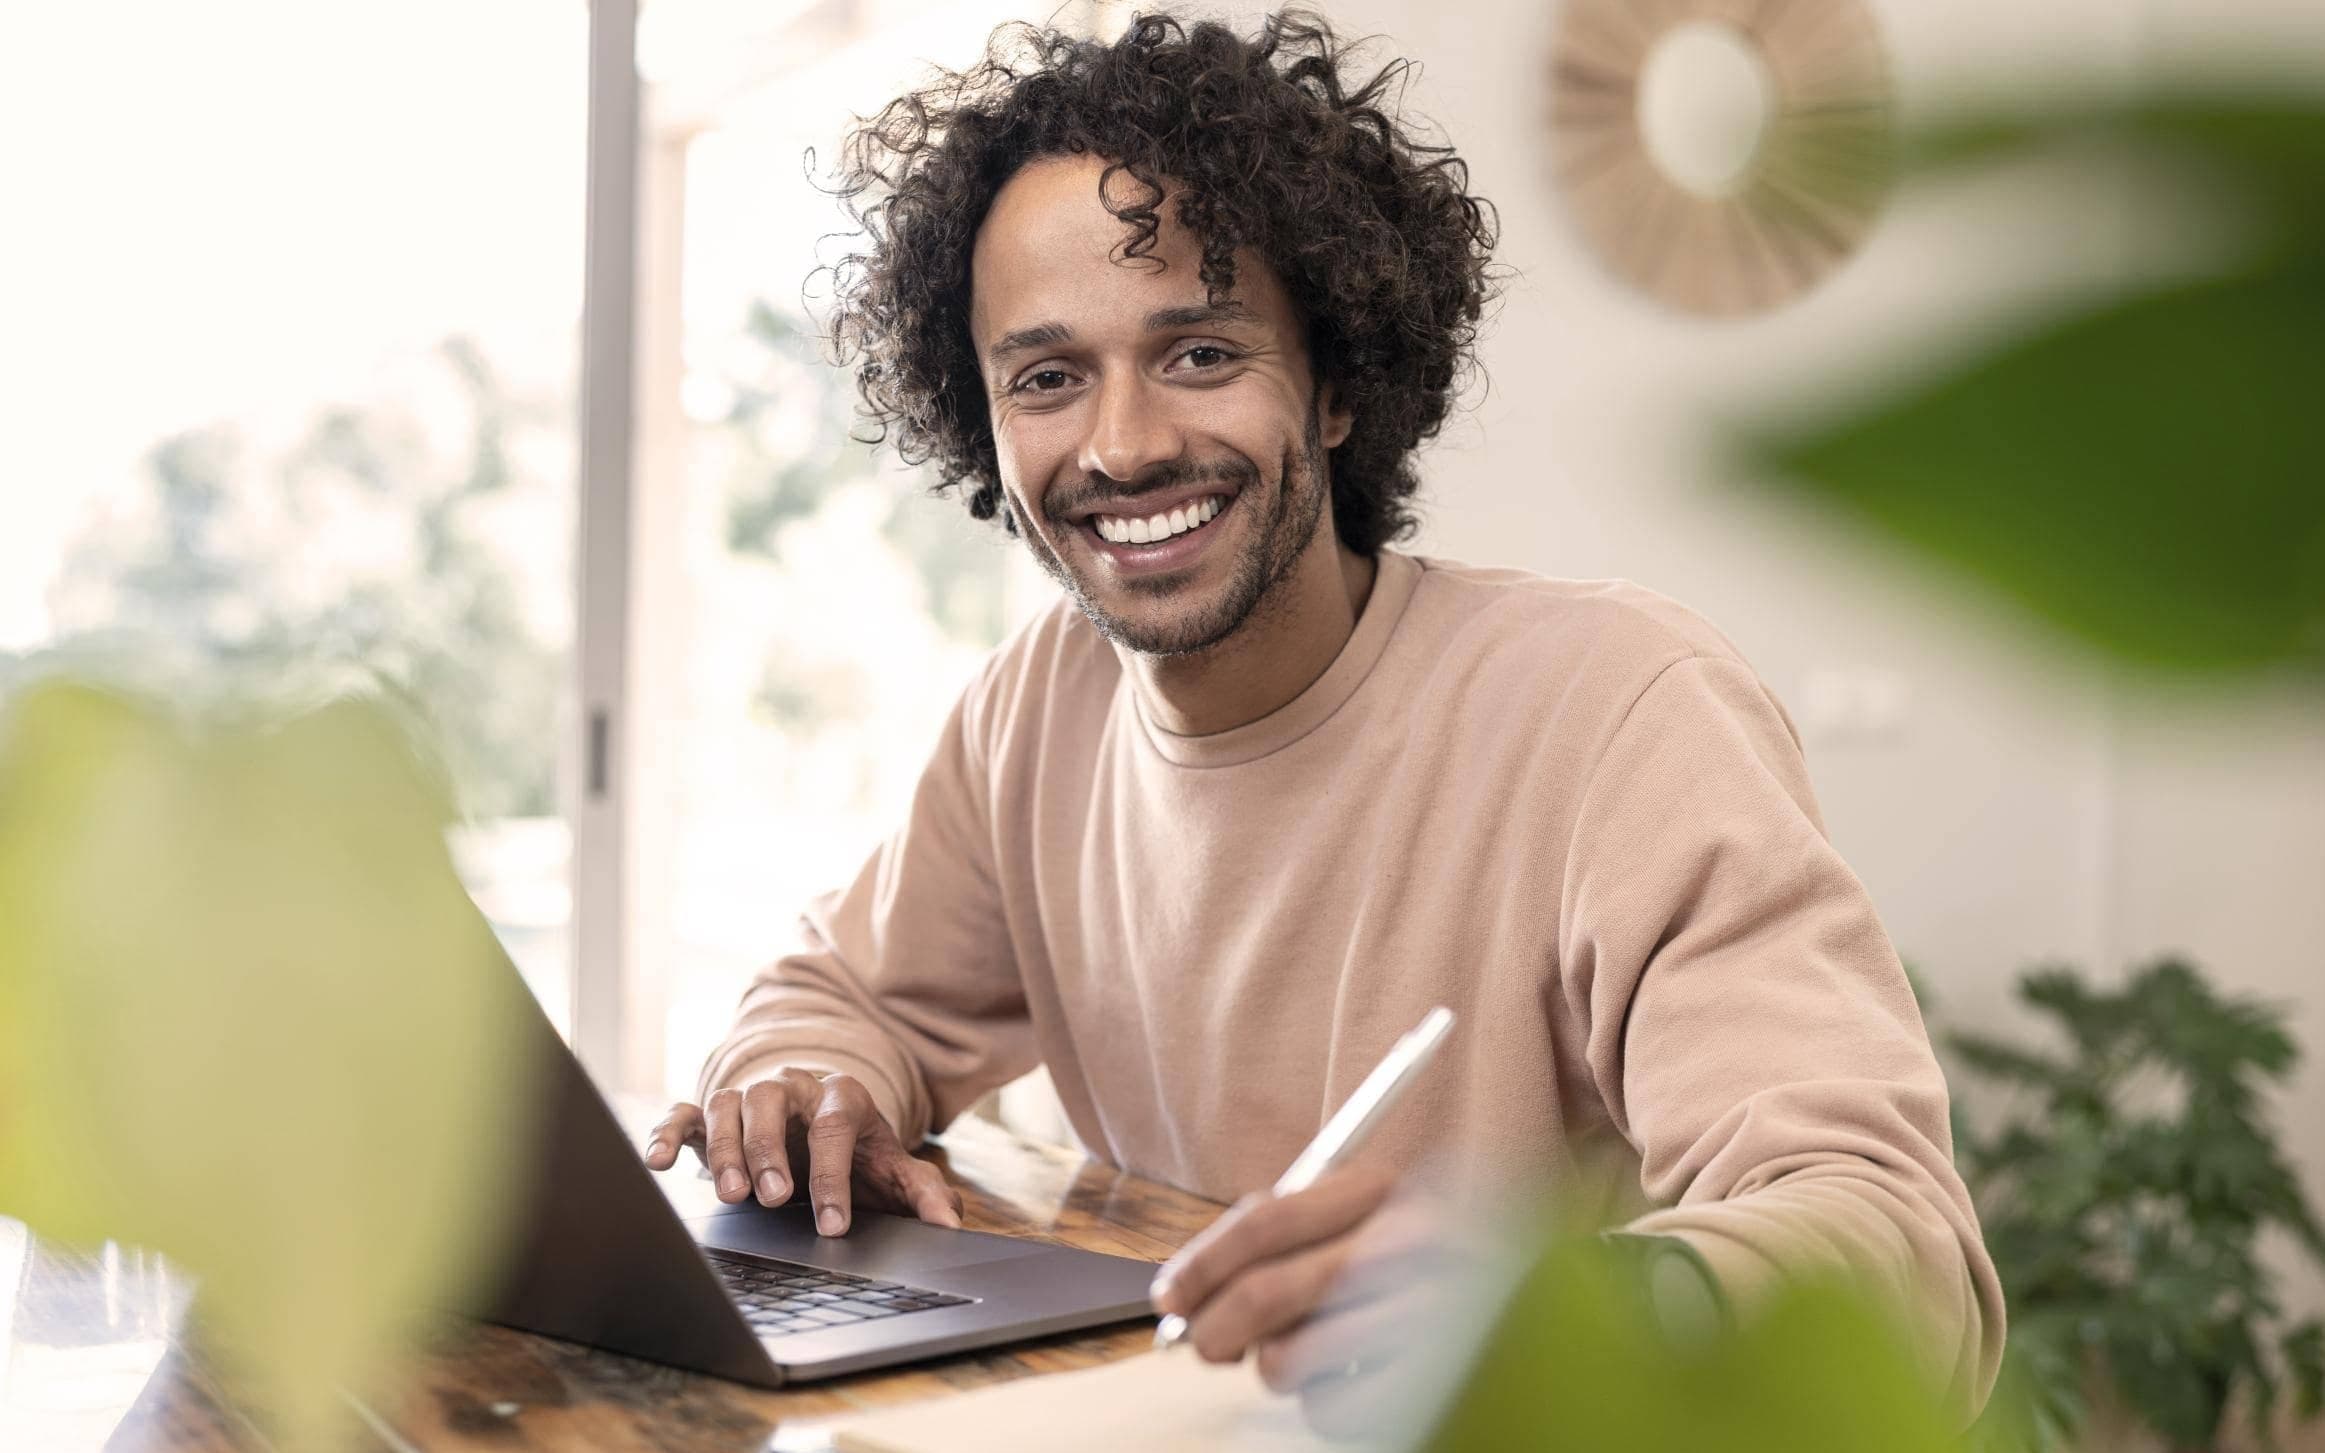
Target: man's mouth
(1154,529)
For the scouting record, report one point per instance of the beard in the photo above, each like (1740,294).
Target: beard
(1273,547)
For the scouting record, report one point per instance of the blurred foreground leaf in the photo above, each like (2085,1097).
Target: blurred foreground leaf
(2148,474)
(249,1019)
(2261,152)
(1577,1363)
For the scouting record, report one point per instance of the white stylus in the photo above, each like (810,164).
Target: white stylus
(1351,1124)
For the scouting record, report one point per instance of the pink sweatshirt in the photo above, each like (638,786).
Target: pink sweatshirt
(1567,809)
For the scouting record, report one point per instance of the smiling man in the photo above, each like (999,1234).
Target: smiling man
(1208,836)
(1165,452)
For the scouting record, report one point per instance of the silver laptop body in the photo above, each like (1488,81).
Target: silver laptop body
(600,1256)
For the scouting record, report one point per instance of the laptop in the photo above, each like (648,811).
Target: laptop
(600,1256)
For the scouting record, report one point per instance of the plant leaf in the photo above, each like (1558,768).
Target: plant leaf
(2000,1060)
(2150,477)
(253,1023)
(2304,1353)
(1817,1368)
(2264,151)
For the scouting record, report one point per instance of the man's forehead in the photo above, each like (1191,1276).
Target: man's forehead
(1050,252)
(1052,208)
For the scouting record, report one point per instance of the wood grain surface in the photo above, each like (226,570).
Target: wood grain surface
(479,1387)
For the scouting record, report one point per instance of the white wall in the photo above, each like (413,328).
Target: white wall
(2219,847)
(2027,807)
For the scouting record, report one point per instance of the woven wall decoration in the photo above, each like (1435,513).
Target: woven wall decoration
(1723,156)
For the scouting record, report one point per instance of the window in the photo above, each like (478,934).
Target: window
(300,329)
(308,366)
(806,614)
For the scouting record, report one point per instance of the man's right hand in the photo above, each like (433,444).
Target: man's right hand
(756,1138)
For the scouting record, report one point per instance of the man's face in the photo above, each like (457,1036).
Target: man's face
(1165,459)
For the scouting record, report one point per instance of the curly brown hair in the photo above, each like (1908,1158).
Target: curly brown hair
(1380,246)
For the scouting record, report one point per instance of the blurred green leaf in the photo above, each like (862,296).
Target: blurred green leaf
(1577,1362)
(2261,151)
(2001,1061)
(2303,1349)
(2150,476)
(249,1019)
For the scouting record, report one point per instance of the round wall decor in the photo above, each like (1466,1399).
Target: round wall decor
(1721,155)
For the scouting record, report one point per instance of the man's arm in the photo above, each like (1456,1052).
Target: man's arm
(904,984)
(1751,1029)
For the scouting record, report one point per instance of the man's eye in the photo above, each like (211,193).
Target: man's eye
(1218,355)
(1031,383)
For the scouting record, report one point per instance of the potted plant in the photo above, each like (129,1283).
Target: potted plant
(2125,1189)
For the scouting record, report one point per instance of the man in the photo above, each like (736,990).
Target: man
(1208,836)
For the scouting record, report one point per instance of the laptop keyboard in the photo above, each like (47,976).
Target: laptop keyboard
(779,1297)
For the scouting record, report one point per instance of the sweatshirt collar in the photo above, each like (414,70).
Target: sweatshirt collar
(1392,589)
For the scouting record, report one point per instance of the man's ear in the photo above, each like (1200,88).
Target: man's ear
(1335,418)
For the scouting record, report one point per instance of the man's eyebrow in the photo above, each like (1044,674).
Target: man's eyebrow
(1197,314)
(1049,335)
(1026,340)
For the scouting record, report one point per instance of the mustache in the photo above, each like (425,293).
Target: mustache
(1100,492)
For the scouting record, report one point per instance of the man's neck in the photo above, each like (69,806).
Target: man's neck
(1290,640)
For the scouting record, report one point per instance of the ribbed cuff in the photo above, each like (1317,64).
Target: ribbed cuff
(1681,1292)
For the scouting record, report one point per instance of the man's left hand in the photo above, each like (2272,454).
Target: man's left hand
(1326,1286)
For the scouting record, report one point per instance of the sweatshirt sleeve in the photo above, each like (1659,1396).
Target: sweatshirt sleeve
(906,978)
(1751,1029)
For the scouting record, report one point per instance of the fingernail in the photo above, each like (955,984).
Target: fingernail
(731,1183)
(770,1187)
(828,1220)
(1160,1289)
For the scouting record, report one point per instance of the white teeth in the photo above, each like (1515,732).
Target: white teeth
(1158,527)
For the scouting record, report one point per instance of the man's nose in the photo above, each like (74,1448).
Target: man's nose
(1130,430)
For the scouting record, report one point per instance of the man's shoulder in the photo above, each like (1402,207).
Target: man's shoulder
(1515,652)
(1601,627)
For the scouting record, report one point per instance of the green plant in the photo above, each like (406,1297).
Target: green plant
(250,1020)
(2124,1193)
(2143,472)
(1578,1362)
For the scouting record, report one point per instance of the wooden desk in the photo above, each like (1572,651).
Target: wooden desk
(489,1388)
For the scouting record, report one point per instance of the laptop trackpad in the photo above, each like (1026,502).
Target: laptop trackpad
(877,1245)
